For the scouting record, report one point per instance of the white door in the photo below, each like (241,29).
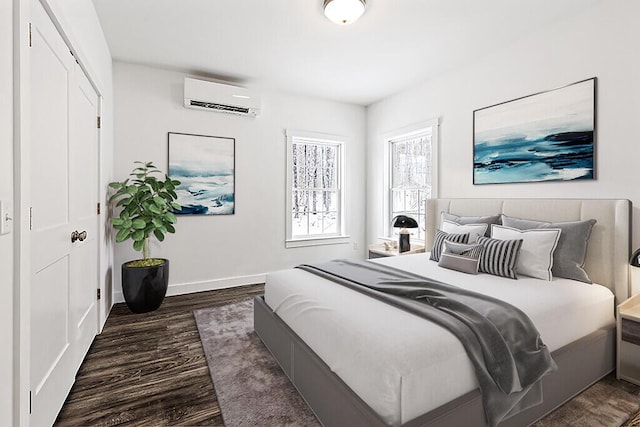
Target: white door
(83,198)
(64,273)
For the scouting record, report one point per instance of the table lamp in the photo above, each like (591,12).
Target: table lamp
(634,273)
(404,222)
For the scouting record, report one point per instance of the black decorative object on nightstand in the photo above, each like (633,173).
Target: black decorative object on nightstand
(404,222)
(635,259)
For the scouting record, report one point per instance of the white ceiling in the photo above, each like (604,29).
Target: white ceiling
(288,45)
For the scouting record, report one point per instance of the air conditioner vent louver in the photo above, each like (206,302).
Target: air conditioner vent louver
(212,106)
(204,95)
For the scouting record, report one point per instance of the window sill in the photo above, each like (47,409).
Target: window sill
(317,241)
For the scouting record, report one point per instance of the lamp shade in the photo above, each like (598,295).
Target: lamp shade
(343,12)
(403,221)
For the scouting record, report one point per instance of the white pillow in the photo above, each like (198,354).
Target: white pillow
(474,230)
(536,253)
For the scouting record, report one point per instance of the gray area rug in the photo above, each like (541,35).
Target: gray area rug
(252,390)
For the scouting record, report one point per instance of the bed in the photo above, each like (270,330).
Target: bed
(308,334)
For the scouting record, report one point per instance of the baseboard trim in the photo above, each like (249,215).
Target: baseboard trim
(207,285)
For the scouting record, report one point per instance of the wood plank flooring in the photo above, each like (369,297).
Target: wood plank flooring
(149,369)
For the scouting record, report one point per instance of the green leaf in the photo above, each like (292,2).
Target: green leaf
(138,223)
(117,221)
(169,216)
(159,235)
(159,201)
(132,189)
(156,222)
(115,185)
(155,209)
(122,235)
(123,202)
(176,206)
(138,245)
(138,235)
(170,228)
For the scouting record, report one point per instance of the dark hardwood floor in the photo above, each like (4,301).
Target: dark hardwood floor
(149,369)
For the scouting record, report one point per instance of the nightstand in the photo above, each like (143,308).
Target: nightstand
(378,251)
(628,340)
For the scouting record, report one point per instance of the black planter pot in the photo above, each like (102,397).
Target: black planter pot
(144,288)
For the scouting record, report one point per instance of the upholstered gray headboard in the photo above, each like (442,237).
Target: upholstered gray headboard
(609,246)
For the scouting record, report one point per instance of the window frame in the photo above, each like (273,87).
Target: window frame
(402,133)
(341,236)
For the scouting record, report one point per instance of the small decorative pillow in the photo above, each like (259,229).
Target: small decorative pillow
(474,230)
(461,257)
(462,220)
(440,237)
(536,253)
(500,257)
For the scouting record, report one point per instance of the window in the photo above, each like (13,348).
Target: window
(411,176)
(314,189)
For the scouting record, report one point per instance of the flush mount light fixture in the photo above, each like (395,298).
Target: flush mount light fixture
(344,12)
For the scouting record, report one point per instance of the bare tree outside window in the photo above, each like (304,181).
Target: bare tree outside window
(315,189)
(410,178)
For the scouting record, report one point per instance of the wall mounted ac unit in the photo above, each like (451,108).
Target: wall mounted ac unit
(204,95)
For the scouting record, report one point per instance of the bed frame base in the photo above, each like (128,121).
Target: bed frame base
(581,364)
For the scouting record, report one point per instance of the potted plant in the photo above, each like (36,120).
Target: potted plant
(147,209)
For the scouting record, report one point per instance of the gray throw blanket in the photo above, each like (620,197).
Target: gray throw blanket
(503,344)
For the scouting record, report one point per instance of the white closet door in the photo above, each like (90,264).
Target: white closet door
(63,185)
(83,197)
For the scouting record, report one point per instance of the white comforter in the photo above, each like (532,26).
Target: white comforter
(402,365)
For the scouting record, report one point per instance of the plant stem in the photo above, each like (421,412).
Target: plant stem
(145,249)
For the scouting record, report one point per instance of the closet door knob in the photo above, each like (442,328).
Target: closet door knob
(74,236)
(82,235)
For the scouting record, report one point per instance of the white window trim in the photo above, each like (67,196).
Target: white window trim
(342,237)
(403,132)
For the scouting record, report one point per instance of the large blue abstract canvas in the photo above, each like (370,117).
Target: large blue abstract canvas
(205,167)
(548,136)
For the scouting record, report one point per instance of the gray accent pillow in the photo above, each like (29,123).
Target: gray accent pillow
(571,252)
(461,257)
(463,220)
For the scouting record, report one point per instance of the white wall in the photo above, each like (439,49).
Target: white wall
(600,41)
(209,252)
(6,195)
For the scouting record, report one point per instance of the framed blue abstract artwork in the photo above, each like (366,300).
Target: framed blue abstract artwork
(549,136)
(205,167)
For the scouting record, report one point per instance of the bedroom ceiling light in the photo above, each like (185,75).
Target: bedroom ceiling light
(344,12)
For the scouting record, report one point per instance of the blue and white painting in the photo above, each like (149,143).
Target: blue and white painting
(205,167)
(544,137)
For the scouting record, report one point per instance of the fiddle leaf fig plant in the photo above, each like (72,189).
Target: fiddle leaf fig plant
(147,208)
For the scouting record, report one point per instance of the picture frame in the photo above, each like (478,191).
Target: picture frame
(205,167)
(547,136)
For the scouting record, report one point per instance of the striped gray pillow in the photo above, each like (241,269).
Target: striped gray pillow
(499,257)
(440,237)
(461,257)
